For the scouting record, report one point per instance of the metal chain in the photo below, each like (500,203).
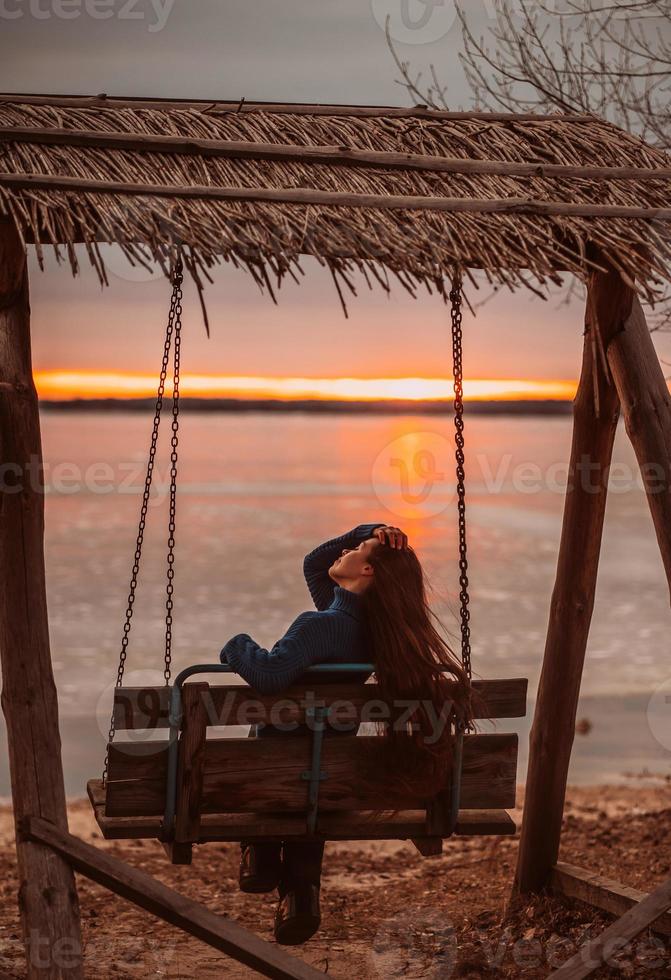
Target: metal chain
(173,326)
(177,296)
(455,299)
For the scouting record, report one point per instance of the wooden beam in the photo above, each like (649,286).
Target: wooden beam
(646,405)
(569,881)
(617,936)
(356,825)
(141,889)
(596,410)
(384,202)
(331,155)
(225,106)
(242,775)
(237,704)
(50,927)
(485,823)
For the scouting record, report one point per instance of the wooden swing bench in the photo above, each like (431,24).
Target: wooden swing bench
(190,789)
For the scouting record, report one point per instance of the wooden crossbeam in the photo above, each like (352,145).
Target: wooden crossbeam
(612,896)
(225,106)
(384,202)
(593,954)
(145,891)
(331,155)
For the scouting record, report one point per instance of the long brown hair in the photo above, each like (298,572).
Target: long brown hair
(415,663)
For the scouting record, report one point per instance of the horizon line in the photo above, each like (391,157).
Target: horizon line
(71,385)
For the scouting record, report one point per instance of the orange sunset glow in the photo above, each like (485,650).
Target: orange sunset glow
(62,385)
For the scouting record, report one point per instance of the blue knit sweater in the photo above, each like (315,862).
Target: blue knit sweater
(334,633)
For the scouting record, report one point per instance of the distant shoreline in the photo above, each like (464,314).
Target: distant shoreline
(315,407)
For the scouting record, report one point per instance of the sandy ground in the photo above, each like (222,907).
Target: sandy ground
(387,912)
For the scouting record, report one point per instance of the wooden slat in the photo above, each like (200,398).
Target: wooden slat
(600,892)
(191,759)
(346,199)
(259,774)
(141,889)
(235,704)
(299,108)
(481,823)
(594,954)
(141,707)
(357,825)
(329,155)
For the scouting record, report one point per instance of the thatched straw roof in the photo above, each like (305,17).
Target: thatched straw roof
(412,192)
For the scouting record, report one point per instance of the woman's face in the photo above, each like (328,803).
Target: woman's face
(354,563)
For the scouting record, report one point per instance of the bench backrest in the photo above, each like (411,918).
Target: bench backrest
(237,775)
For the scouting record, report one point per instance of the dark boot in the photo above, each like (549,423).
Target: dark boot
(260,868)
(298,915)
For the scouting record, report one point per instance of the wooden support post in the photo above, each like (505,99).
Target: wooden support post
(47,894)
(646,407)
(553,727)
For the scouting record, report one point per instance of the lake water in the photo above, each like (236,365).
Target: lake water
(259,490)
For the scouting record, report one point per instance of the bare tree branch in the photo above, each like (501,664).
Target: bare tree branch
(611,58)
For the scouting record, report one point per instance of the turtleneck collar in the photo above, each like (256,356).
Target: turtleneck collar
(346,601)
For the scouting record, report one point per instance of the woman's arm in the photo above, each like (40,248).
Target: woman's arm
(316,565)
(270,671)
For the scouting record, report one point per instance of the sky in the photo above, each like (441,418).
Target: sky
(85,339)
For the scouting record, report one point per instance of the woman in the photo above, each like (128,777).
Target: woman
(368,589)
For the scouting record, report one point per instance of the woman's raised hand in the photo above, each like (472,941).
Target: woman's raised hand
(392,536)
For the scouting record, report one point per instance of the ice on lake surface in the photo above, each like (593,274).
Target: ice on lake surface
(258,491)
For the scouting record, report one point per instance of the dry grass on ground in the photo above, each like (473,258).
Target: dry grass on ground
(387,912)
